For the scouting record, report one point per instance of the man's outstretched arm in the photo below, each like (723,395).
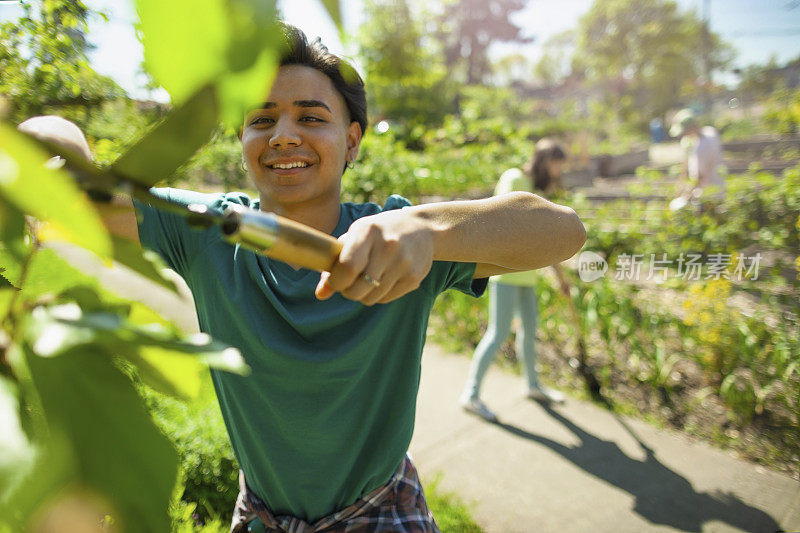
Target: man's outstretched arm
(512,232)
(387,255)
(119,217)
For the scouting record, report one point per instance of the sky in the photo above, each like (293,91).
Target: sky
(757,29)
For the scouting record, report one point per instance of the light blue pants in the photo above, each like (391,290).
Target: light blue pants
(505,301)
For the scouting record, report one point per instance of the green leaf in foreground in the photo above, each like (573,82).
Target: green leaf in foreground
(16,452)
(49,274)
(334,10)
(117,452)
(170,144)
(12,230)
(47,194)
(229,43)
(167,362)
(185,43)
(239,91)
(4,283)
(145,262)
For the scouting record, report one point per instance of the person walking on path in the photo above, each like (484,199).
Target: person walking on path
(322,424)
(515,293)
(703,157)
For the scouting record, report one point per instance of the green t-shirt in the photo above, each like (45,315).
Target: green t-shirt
(327,413)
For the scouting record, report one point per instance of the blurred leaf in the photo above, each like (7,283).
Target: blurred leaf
(4,283)
(12,230)
(334,10)
(251,61)
(47,194)
(6,294)
(240,92)
(168,363)
(88,299)
(52,469)
(49,274)
(174,367)
(170,144)
(117,450)
(230,42)
(16,452)
(169,372)
(185,43)
(143,261)
(253,30)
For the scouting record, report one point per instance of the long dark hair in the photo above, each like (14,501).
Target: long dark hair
(545,150)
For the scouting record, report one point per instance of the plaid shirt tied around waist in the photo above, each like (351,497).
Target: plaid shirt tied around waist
(398,506)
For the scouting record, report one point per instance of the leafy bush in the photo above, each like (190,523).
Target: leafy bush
(186,519)
(114,126)
(758,213)
(745,355)
(218,164)
(734,130)
(208,471)
(783,111)
(459,321)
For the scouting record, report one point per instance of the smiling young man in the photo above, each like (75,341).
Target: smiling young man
(322,424)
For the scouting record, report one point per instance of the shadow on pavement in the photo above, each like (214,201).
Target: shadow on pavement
(662,496)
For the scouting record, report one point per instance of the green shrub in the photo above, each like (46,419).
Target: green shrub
(208,470)
(783,111)
(746,356)
(186,519)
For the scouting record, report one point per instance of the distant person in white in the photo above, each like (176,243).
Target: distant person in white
(704,157)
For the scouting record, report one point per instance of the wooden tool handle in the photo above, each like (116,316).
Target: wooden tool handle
(301,245)
(280,238)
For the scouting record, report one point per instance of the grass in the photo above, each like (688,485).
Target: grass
(450,513)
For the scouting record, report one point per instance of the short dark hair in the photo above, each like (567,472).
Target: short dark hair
(296,50)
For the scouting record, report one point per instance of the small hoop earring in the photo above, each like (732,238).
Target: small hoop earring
(243,167)
(350,164)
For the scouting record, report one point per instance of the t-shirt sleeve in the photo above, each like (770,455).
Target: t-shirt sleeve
(169,235)
(512,180)
(451,275)
(445,274)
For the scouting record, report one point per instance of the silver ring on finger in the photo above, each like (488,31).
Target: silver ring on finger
(372,281)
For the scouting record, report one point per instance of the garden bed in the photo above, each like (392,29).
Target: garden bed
(651,377)
(715,356)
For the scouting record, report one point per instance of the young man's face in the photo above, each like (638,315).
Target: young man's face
(296,146)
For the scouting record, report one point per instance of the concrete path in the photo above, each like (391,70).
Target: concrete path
(571,468)
(577,467)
